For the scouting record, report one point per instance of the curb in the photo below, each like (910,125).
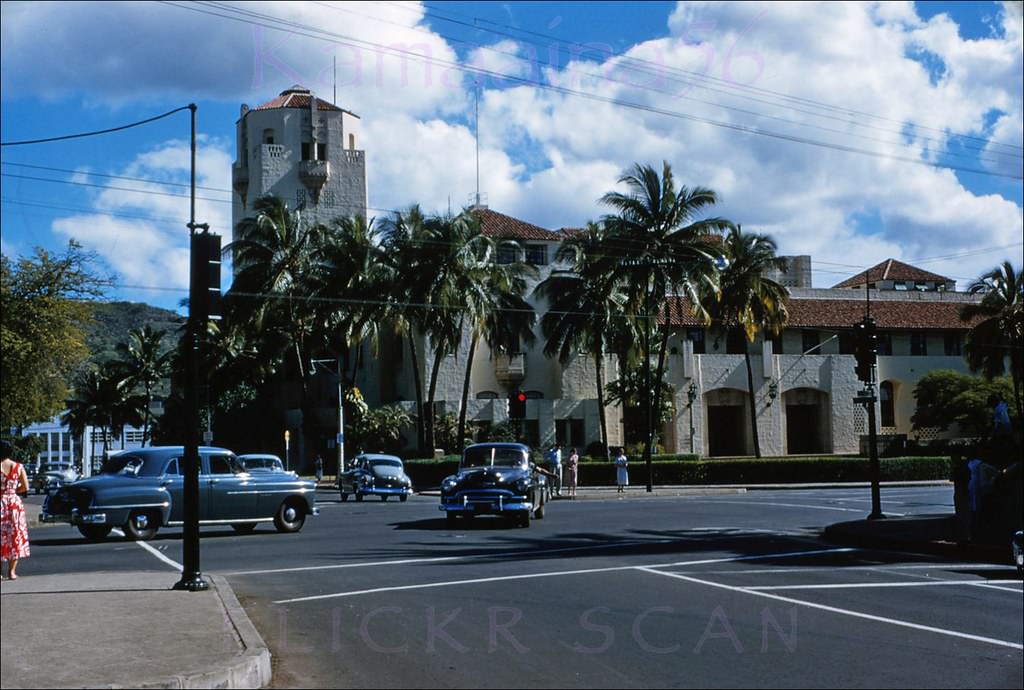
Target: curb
(252,668)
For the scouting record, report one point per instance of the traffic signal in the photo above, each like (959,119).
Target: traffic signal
(866,348)
(517,405)
(205,287)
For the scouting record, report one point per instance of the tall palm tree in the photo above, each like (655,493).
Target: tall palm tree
(997,340)
(145,363)
(274,255)
(665,251)
(749,301)
(407,251)
(581,305)
(495,308)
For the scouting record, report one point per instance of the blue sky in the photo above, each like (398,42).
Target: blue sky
(852,132)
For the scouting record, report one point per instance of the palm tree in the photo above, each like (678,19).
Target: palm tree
(145,363)
(749,302)
(496,310)
(997,340)
(274,255)
(581,305)
(665,251)
(407,250)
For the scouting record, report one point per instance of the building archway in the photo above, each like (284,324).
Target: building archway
(728,420)
(808,421)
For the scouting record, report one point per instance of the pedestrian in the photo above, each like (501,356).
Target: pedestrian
(572,465)
(319,469)
(621,470)
(13,530)
(553,460)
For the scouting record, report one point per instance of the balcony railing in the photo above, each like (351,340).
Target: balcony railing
(511,367)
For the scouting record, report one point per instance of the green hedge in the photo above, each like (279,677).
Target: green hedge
(686,469)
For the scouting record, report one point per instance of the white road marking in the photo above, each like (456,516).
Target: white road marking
(558,573)
(799,505)
(844,612)
(147,547)
(869,585)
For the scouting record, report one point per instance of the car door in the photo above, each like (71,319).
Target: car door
(173,482)
(225,494)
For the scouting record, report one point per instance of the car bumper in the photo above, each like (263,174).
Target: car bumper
(385,491)
(486,505)
(75,518)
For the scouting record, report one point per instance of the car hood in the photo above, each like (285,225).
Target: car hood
(490,476)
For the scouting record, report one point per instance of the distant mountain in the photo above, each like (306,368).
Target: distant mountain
(113,321)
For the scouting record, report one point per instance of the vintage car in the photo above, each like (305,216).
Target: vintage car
(261,462)
(496,479)
(142,490)
(52,475)
(375,474)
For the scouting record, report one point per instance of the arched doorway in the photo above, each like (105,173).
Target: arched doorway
(808,421)
(728,418)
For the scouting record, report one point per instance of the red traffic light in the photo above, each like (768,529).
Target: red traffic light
(521,396)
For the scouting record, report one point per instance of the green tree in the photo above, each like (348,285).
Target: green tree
(996,342)
(665,251)
(946,397)
(43,309)
(582,303)
(144,363)
(748,301)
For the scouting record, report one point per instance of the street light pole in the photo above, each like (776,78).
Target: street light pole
(340,439)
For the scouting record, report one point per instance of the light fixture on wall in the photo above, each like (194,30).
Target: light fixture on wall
(691,394)
(773,391)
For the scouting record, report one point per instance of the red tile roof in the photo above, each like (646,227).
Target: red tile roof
(891,269)
(496,224)
(296,97)
(843,313)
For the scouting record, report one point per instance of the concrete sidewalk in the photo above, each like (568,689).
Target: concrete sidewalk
(117,629)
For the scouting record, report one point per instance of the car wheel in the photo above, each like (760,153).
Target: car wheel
(403,497)
(243,527)
(344,496)
(290,517)
(383,498)
(141,526)
(359,497)
(523,518)
(94,532)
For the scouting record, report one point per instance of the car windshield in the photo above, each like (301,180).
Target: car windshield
(497,457)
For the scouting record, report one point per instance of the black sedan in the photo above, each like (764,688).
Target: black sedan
(496,479)
(142,490)
(375,474)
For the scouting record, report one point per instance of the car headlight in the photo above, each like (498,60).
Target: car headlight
(449,484)
(522,486)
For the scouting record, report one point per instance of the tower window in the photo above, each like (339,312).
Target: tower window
(268,136)
(306,150)
(352,141)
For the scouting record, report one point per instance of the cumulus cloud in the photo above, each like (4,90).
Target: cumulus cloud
(822,78)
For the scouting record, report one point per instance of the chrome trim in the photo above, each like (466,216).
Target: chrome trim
(131,506)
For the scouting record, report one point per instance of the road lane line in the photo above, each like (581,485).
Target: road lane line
(799,505)
(557,573)
(869,585)
(844,612)
(147,547)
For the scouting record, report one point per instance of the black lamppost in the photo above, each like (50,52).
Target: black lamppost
(691,396)
(341,408)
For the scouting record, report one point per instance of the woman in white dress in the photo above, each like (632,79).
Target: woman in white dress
(621,471)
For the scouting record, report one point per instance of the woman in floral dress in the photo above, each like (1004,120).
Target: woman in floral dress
(13,530)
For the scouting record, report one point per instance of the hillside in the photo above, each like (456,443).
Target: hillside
(113,321)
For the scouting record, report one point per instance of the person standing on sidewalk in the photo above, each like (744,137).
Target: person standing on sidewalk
(319,469)
(13,529)
(572,465)
(621,470)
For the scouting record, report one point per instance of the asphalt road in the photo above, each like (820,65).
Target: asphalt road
(702,591)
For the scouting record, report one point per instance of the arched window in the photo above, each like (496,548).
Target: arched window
(888,408)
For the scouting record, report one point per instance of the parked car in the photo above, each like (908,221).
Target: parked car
(496,479)
(142,490)
(52,475)
(261,462)
(375,474)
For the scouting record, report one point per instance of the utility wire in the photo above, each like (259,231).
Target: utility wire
(96,133)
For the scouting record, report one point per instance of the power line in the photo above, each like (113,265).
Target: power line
(275,23)
(96,133)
